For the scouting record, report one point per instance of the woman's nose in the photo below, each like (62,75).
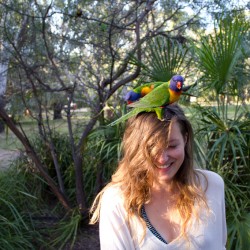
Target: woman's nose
(163,157)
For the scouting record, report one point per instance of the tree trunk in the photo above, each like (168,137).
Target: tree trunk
(57,109)
(80,193)
(99,184)
(2,126)
(78,164)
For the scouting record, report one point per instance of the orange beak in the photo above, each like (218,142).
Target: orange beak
(178,85)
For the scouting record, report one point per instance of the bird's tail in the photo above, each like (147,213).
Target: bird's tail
(126,116)
(135,112)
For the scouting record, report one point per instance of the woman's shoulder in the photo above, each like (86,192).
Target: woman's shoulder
(213,180)
(112,195)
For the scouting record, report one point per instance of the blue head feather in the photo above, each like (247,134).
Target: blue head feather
(176,83)
(132,96)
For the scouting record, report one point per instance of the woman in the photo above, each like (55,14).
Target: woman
(156,199)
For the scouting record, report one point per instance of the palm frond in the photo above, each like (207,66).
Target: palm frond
(219,53)
(164,58)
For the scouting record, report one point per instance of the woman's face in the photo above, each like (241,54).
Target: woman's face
(170,159)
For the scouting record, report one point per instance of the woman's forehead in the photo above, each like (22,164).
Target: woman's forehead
(174,131)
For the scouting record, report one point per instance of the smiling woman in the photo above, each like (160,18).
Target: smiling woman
(170,159)
(156,199)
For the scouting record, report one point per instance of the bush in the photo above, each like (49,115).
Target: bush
(16,225)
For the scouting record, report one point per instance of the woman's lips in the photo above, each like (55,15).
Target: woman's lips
(165,166)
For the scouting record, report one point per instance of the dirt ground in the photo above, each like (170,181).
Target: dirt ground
(88,239)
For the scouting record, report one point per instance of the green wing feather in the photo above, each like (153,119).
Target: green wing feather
(139,89)
(157,97)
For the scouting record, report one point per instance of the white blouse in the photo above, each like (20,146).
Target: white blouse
(210,233)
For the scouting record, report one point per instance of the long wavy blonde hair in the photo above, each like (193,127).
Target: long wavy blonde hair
(144,136)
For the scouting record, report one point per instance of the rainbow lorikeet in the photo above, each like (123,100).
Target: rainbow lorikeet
(139,92)
(160,96)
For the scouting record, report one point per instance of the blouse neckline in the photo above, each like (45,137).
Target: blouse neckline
(150,226)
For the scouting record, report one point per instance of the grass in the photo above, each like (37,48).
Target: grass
(9,141)
(17,203)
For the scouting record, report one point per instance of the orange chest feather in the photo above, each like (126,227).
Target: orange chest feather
(174,96)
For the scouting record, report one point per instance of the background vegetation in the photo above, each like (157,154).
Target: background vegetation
(65,67)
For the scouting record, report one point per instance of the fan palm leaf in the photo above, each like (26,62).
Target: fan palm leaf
(163,58)
(219,53)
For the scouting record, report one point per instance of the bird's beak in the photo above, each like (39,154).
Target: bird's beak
(178,85)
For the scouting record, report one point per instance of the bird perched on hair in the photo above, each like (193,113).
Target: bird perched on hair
(162,95)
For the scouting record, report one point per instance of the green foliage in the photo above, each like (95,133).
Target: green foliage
(32,181)
(219,54)
(66,230)
(223,145)
(238,211)
(101,152)
(225,139)
(101,156)
(164,58)
(107,141)
(222,132)
(63,151)
(16,226)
